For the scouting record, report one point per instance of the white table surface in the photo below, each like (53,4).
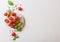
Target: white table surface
(42,21)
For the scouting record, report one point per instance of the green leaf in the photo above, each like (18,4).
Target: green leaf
(17,36)
(14,38)
(19,24)
(10,3)
(19,27)
(9,12)
(16,27)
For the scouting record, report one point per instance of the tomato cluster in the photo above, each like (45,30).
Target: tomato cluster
(12,20)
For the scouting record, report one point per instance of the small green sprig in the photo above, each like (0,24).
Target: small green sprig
(15,37)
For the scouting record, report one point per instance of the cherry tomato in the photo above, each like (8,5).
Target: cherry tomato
(10,18)
(13,14)
(6,20)
(10,23)
(20,8)
(16,18)
(17,22)
(12,26)
(13,34)
(5,14)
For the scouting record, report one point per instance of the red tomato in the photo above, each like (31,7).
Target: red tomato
(10,23)
(13,34)
(10,18)
(5,14)
(6,20)
(13,14)
(16,18)
(12,26)
(17,22)
(20,8)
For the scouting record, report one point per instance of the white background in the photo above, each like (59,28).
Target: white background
(42,21)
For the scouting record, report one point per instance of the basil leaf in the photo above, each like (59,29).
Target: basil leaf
(16,27)
(19,24)
(17,36)
(14,38)
(9,12)
(10,3)
(19,27)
